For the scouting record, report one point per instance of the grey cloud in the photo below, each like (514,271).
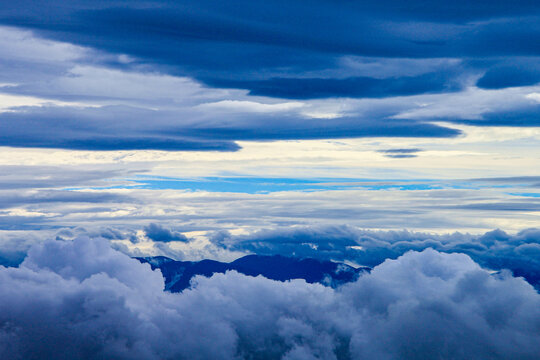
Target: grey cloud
(42,197)
(156,232)
(39,177)
(129,128)
(522,206)
(431,210)
(109,233)
(401,153)
(40,209)
(511,179)
(532,181)
(400,156)
(81,299)
(495,250)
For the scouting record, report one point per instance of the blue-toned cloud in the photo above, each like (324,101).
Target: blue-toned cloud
(513,72)
(495,250)
(121,128)
(401,153)
(108,128)
(356,87)
(72,97)
(156,232)
(255,46)
(81,299)
(24,177)
(525,116)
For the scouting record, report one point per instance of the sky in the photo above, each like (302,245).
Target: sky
(350,131)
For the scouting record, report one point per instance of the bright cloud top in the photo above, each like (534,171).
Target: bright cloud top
(86,300)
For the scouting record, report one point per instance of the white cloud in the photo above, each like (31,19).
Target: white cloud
(83,299)
(23,45)
(251,106)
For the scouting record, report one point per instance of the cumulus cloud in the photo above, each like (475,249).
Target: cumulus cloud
(82,299)
(156,232)
(495,250)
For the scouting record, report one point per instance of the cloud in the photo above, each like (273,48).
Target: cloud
(401,153)
(156,232)
(495,250)
(255,47)
(82,299)
(524,116)
(79,98)
(360,87)
(512,73)
(96,129)
(129,128)
(49,177)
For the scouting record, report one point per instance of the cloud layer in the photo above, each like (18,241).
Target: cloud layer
(82,299)
(227,42)
(202,75)
(495,250)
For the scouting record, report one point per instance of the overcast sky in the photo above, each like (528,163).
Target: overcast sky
(205,116)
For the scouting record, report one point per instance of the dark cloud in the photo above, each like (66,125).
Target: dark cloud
(156,232)
(252,45)
(108,128)
(401,153)
(95,129)
(522,116)
(128,128)
(108,233)
(494,250)
(337,50)
(400,156)
(81,299)
(509,75)
(526,116)
(359,87)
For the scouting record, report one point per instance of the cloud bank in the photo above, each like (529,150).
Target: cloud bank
(495,250)
(202,75)
(82,299)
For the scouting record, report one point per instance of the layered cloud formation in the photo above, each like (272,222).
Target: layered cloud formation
(173,128)
(211,40)
(494,250)
(216,73)
(82,299)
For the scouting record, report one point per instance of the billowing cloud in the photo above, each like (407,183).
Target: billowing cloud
(156,232)
(81,299)
(495,250)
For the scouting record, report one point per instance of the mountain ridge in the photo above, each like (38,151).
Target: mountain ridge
(178,274)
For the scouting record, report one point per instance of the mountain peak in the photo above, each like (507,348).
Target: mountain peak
(178,274)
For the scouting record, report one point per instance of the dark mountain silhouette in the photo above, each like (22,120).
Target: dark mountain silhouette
(178,274)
